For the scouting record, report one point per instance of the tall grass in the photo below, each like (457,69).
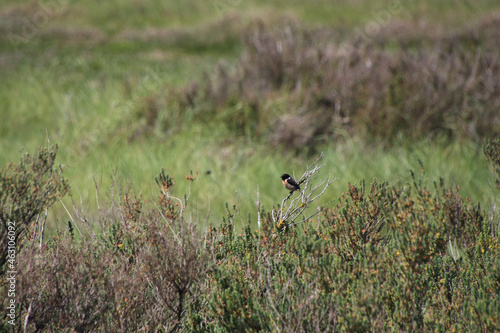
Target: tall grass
(233,174)
(83,122)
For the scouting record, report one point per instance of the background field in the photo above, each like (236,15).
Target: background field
(83,74)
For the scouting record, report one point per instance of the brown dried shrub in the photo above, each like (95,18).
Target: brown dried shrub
(298,87)
(136,274)
(65,286)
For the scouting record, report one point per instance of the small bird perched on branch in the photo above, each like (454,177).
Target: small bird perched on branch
(289,183)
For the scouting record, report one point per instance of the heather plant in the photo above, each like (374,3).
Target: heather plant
(383,257)
(173,257)
(331,86)
(66,285)
(27,190)
(137,272)
(391,258)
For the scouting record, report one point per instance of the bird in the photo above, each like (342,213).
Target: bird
(289,183)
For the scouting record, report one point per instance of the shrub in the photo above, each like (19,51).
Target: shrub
(313,86)
(383,258)
(139,273)
(66,285)
(27,190)
(398,258)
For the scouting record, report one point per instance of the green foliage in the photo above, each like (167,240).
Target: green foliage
(27,190)
(378,261)
(112,89)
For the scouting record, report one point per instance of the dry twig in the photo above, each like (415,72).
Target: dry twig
(290,211)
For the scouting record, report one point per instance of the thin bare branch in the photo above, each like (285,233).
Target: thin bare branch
(290,211)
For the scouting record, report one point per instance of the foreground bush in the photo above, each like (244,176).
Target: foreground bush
(138,272)
(27,190)
(383,258)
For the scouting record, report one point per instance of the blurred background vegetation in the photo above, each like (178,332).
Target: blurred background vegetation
(241,91)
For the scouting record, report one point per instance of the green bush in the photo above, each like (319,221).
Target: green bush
(391,258)
(27,190)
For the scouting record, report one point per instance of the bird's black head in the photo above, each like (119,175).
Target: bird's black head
(285,176)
